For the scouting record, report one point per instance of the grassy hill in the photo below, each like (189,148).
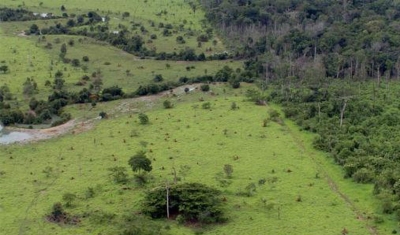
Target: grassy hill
(292,190)
(279,184)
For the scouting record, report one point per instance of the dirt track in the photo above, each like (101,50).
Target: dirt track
(76,126)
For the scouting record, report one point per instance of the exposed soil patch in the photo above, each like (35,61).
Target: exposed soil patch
(75,126)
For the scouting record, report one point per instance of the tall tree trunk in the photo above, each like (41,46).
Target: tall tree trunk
(378,76)
(342,112)
(167,188)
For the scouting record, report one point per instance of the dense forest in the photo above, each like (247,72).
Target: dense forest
(333,65)
(341,39)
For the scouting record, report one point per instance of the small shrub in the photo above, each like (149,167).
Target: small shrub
(69,198)
(143,119)
(158,78)
(103,115)
(228,169)
(205,87)
(119,174)
(274,115)
(168,104)
(75,62)
(206,105)
(141,179)
(234,106)
(262,181)
(202,38)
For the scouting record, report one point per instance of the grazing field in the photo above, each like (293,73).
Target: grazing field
(271,179)
(293,193)
(175,11)
(31,59)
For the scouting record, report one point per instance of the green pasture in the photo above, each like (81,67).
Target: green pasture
(28,57)
(295,199)
(177,13)
(160,44)
(176,10)
(297,190)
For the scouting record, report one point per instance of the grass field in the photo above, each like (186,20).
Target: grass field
(203,140)
(31,59)
(297,190)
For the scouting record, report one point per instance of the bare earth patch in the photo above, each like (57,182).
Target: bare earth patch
(75,126)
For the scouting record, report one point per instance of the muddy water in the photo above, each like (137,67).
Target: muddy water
(7,137)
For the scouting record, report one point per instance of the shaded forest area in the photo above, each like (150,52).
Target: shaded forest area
(340,39)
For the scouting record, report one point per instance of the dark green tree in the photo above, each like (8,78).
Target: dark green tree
(205,87)
(143,118)
(4,68)
(140,162)
(168,104)
(34,29)
(158,78)
(191,201)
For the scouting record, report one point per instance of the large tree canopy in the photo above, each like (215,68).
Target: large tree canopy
(140,162)
(192,202)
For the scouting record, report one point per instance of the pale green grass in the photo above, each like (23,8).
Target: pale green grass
(27,57)
(197,139)
(161,44)
(177,10)
(177,13)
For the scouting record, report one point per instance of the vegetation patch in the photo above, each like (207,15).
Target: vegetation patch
(187,203)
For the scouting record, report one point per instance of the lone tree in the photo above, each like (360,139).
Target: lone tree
(139,162)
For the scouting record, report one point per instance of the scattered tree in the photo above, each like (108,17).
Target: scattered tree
(4,68)
(143,118)
(158,78)
(168,104)
(205,87)
(139,162)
